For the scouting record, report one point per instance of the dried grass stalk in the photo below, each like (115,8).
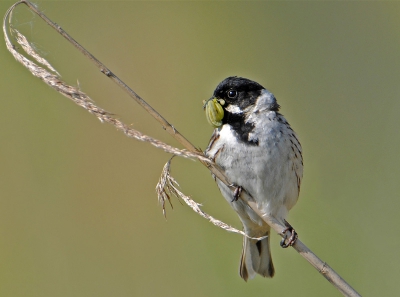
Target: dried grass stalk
(80,98)
(168,186)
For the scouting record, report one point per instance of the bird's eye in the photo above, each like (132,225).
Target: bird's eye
(232,94)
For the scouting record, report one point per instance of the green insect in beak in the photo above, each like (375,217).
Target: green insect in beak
(214,111)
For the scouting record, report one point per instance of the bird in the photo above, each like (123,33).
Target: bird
(259,153)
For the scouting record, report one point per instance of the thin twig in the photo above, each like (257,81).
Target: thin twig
(84,101)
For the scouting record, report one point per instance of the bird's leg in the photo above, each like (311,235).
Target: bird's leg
(293,237)
(236,192)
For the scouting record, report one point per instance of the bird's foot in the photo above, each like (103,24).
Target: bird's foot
(291,239)
(236,192)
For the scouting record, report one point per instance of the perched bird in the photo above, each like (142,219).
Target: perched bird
(260,154)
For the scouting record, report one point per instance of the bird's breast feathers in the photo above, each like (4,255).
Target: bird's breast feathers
(266,169)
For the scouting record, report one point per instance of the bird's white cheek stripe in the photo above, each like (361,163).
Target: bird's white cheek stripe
(233,109)
(264,101)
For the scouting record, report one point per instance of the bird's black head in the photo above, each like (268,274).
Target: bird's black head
(238,92)
(234,100)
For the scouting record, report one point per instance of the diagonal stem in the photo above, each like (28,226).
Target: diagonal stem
(104,69)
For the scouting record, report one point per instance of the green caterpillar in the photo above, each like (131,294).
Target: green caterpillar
(214,112)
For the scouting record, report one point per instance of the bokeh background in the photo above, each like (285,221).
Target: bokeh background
(78,211)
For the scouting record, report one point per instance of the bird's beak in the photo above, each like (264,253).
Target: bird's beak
(214,111)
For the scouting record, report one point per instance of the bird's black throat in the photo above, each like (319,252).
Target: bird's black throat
(242,128)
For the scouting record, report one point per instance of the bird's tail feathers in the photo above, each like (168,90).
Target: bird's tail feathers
(256,258)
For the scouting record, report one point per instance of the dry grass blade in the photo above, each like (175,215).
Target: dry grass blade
(21,39)
(167,186)
(162,188)
(83,100)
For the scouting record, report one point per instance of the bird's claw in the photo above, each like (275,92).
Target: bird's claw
(293,237)
(236,193)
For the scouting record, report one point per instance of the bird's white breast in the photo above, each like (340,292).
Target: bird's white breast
(269,171)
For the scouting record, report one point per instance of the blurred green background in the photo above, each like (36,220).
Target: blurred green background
(78,210)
